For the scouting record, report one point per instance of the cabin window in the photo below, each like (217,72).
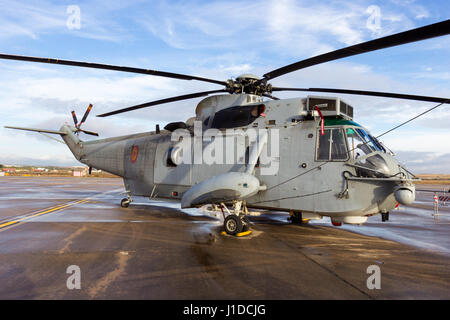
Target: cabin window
(169,162)
(236,116)
(331,146)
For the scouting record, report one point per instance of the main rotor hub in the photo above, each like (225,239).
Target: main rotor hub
(247,76)
(250,84)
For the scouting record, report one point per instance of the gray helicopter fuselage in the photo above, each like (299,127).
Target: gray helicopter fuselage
(301,181)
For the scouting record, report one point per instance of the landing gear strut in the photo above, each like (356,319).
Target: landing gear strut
(237,220)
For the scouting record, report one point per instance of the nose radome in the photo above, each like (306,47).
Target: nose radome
(405,194)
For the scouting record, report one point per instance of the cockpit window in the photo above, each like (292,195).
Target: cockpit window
(331,146)
(378,143)
(368,139)
(356,145)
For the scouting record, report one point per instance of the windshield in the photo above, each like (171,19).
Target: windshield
(356,145)
(377,143)
(368,140)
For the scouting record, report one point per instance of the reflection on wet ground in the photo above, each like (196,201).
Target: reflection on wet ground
(410,225)
(155,250)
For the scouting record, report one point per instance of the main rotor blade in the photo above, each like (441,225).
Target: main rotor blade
(422,33)
(109,67)
(167,100)
(270,96)
(369,93)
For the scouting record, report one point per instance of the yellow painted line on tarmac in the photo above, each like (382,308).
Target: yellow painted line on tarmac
(12,222)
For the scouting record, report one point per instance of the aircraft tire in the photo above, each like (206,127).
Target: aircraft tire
(296,218)
(233,224)
(124,203)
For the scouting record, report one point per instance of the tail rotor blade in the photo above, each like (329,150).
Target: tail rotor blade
(74,116)
(86,114)
(89,132)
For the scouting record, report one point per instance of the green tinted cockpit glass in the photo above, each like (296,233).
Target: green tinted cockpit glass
(350,131)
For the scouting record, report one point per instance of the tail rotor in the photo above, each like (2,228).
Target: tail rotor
(78,125)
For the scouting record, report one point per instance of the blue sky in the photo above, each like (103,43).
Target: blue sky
(220,39)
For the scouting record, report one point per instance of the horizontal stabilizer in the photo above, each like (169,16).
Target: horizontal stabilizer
(37,130)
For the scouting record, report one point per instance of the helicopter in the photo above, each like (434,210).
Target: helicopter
(246,148)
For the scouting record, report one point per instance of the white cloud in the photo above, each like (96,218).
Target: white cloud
(419,141)
(219,40)
(425,162)
(36,18)
(298,27)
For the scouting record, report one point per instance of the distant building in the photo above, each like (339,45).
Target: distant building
(79,171)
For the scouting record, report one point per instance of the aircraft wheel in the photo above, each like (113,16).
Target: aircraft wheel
(233,224)
(296,218)
(124,203)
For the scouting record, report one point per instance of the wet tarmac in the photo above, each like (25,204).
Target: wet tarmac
(154,250)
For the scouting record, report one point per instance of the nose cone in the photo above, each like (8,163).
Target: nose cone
(405,194)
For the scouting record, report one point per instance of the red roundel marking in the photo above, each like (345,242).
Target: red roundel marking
(134,154)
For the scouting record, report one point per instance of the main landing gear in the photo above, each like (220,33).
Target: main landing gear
(237,221)
(125,202)
(296,217)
